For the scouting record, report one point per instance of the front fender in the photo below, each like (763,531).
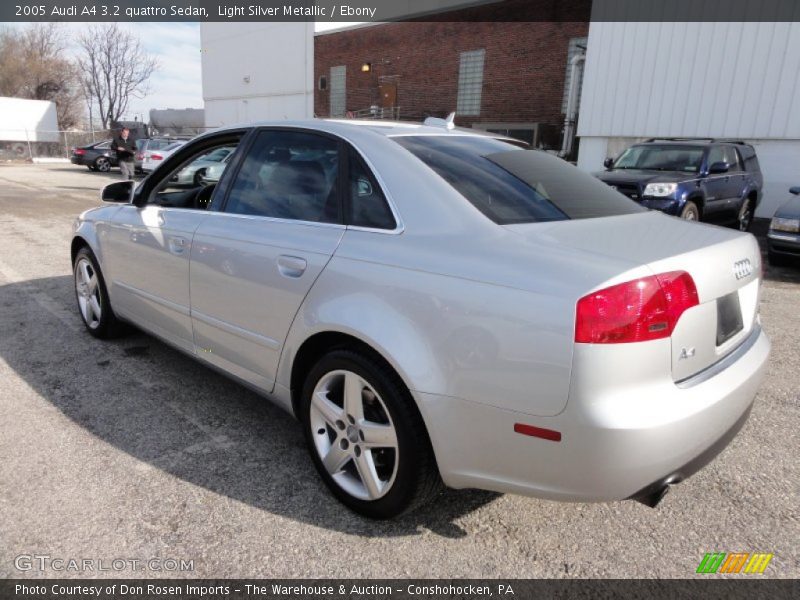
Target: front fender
(85,231)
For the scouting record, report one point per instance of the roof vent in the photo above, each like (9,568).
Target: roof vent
(448,123)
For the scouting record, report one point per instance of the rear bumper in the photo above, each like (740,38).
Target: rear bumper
(616,440)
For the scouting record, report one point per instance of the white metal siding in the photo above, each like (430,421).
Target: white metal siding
(692,79)
(257,71)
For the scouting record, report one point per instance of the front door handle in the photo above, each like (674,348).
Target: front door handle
(291,266)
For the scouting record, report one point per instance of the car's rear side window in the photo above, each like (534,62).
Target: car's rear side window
(511,185)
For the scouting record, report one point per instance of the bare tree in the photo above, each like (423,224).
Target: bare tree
(33,65)
(114,67)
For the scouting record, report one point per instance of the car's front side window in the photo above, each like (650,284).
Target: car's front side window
(173,190)
(288,175)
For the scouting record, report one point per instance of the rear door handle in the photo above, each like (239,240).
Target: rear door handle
(291,266)
(177,244)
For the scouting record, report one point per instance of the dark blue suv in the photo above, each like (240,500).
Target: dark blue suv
(710,180)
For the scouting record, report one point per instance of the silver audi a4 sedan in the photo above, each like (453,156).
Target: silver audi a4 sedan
(439,307)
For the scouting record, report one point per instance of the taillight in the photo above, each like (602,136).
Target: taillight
(79,151)
(635,311)
(156,157)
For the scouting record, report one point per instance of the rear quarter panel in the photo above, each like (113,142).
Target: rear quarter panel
(445,335)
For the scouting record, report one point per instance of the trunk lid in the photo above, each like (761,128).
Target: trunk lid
(724,264)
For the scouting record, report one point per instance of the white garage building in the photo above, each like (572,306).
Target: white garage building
(718,80)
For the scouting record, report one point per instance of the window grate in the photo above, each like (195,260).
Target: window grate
(470,82)
(338,83)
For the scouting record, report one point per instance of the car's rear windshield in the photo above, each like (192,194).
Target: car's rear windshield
(512,185)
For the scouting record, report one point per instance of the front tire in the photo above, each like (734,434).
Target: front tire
(690,211)
(92,297)
(745,218)
(366,438)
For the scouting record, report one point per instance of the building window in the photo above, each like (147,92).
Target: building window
(470,82)
(338,83)
(576,46)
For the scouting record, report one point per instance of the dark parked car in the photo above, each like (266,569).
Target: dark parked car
(98,156)
(708,180)
(783,238)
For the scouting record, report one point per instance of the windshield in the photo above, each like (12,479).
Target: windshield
(661,157)
(511,185)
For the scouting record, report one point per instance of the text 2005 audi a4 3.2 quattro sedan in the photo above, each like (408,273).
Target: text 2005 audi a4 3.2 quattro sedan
(439,306)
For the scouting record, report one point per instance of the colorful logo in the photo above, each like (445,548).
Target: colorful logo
(734,562)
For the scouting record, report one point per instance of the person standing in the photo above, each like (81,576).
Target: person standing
(125,151)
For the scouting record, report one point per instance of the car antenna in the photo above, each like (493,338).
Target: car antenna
(448,123)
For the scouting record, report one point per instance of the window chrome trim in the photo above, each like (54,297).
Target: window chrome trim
(278,220)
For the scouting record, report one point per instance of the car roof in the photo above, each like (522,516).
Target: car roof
(700,143)
(385,128)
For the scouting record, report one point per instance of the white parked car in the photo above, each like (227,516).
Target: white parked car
(436,305)
(152,158)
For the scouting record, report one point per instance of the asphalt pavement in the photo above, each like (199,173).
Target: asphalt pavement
(129,450)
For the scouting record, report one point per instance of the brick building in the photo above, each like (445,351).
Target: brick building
(505,75)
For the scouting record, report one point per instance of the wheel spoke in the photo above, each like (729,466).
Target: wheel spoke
(329,411)
(353,396)
(84,306)
(84,272)
(335,459)
(378,436)
(369,476)
(92,284)
(95,306)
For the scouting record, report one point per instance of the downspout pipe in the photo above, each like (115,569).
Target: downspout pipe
(571,116)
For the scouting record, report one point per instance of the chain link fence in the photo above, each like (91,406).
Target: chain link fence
(33,145)
(37,145)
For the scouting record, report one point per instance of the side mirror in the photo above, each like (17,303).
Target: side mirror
(718,167)
(608,163)
(364,187)
(795,190)
(121,191)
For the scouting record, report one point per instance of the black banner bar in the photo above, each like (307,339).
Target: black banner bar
(708,588)
(389,10)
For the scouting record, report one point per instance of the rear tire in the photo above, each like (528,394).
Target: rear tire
(690,211)
(366,437)
(102,164)
(92,297)
(775,260)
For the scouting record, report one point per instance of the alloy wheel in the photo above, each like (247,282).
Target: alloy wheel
(103,165)
(354,435)
(88,292)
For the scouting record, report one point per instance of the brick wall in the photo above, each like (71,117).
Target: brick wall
(524,69)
